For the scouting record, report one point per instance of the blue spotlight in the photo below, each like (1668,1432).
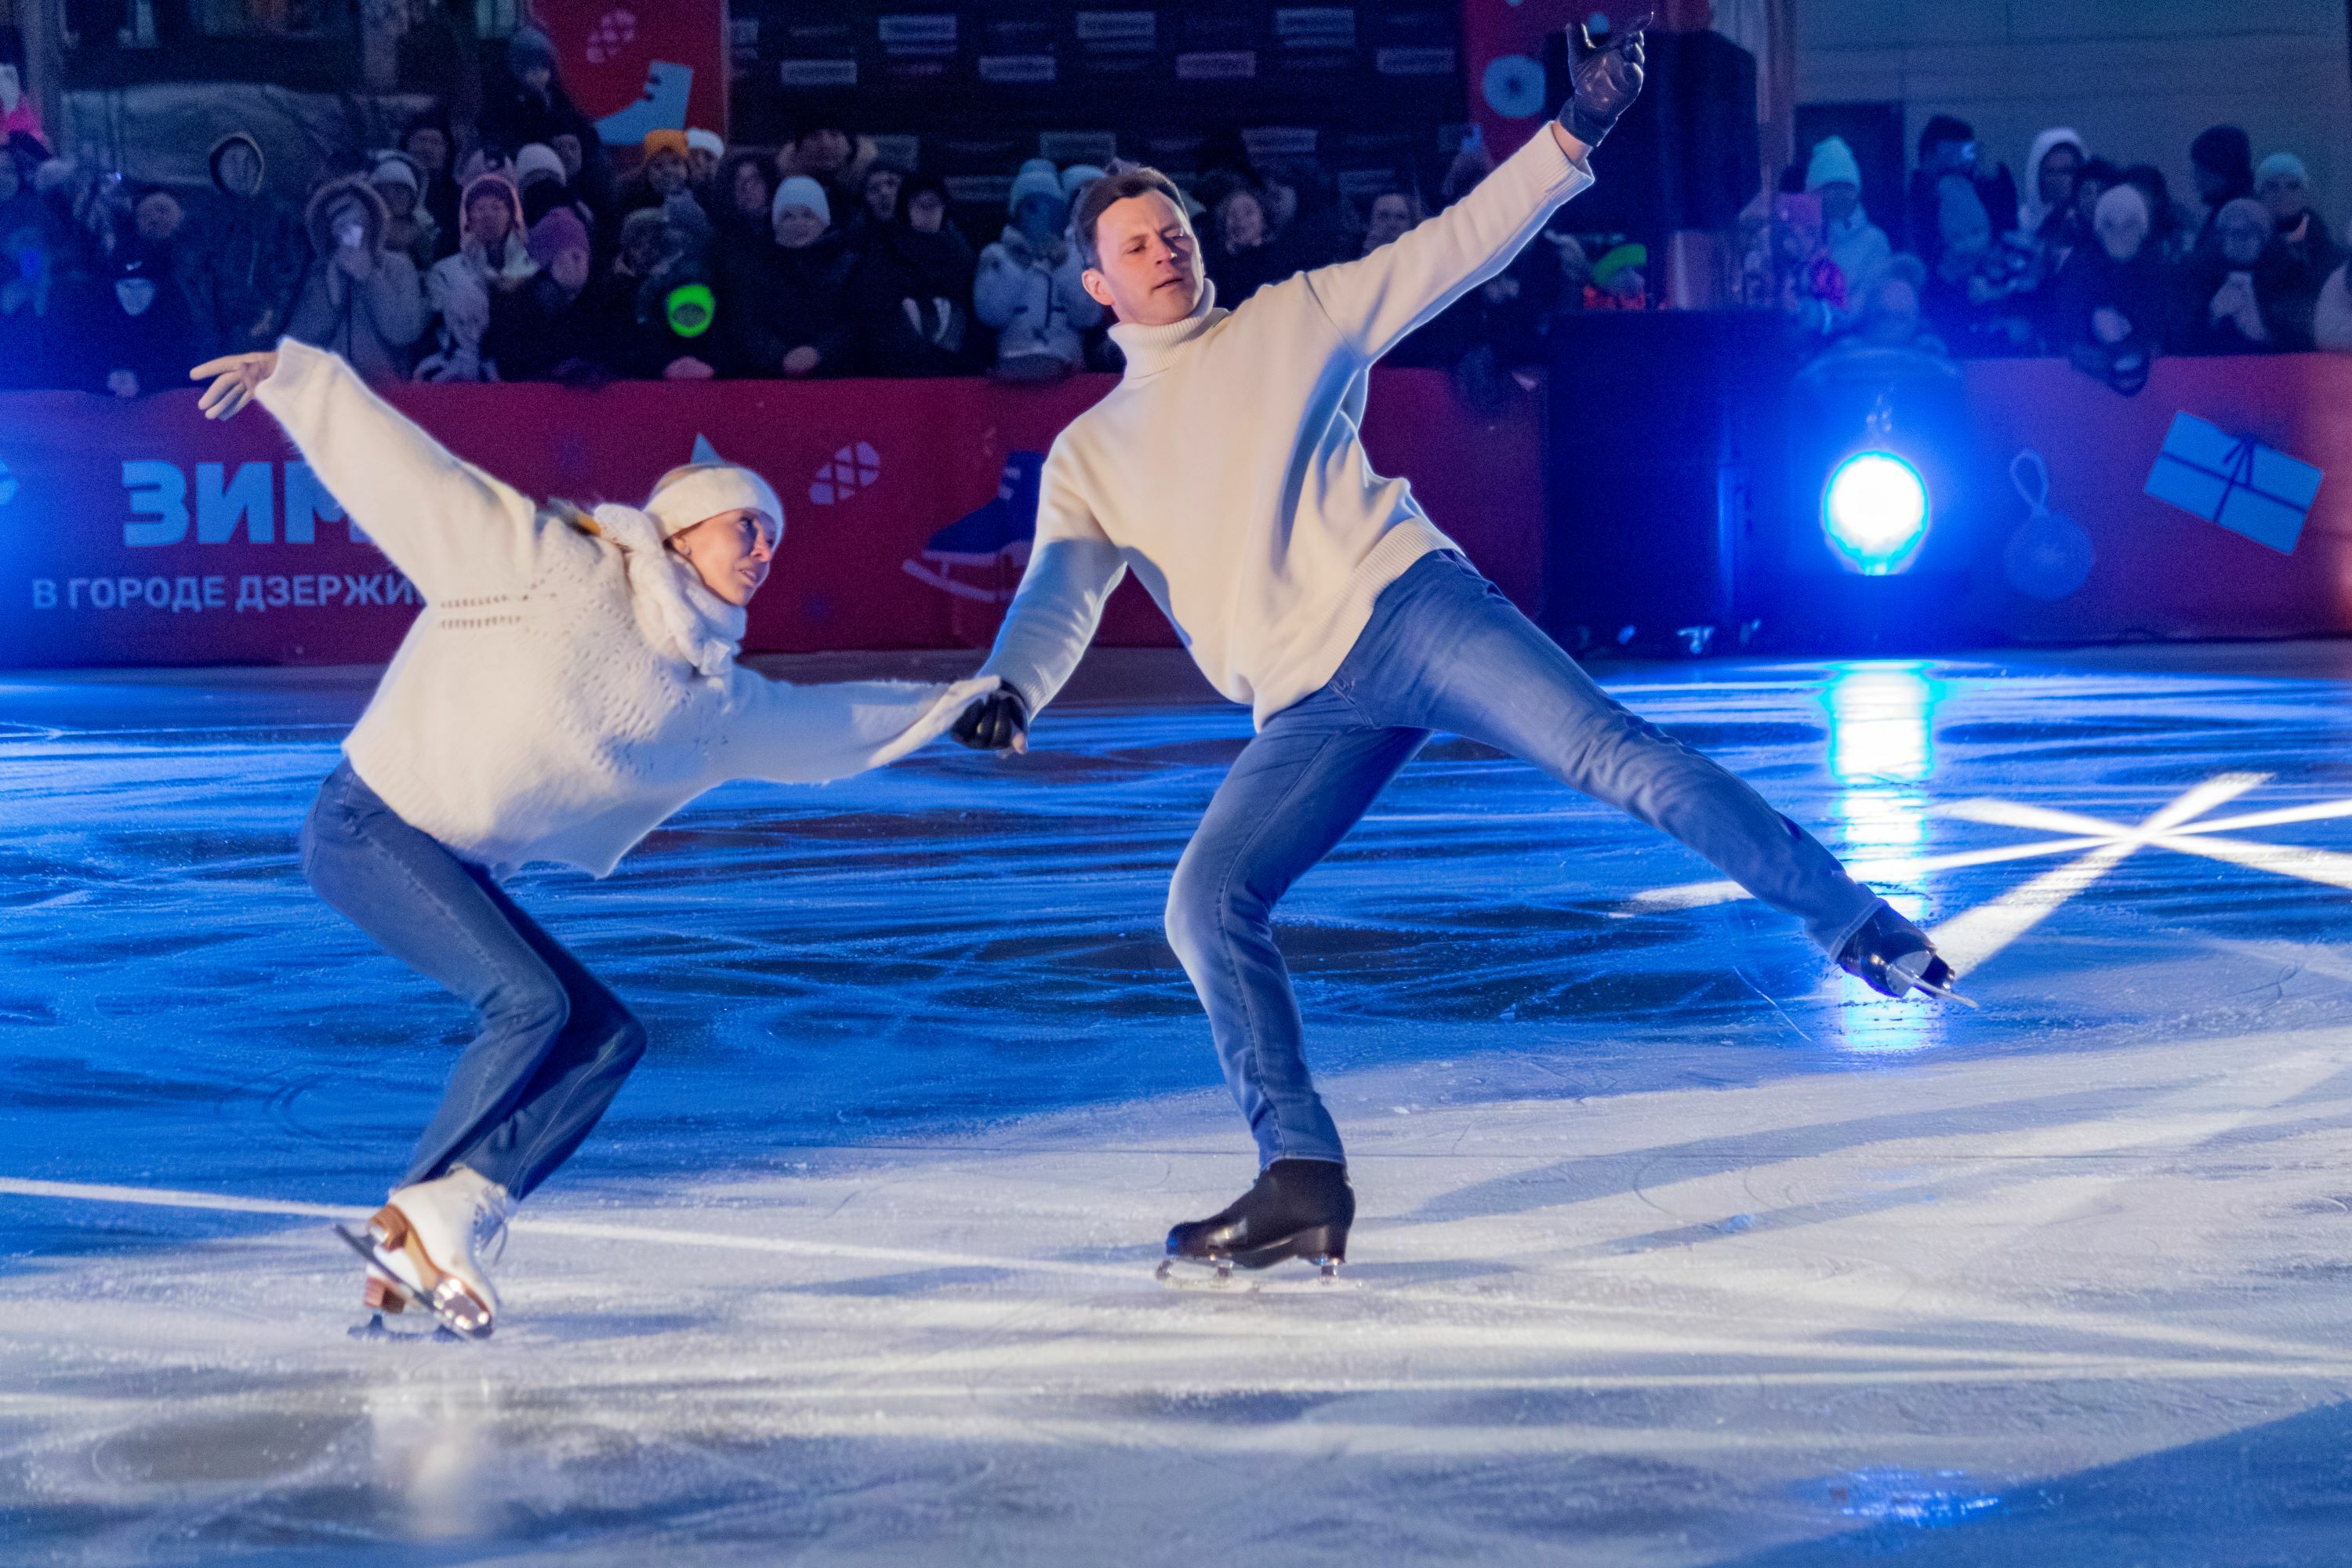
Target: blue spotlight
(1875,512)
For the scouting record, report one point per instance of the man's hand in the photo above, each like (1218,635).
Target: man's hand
(1605,79)
(997,723)
(234,378)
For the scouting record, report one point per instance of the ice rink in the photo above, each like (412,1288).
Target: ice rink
(1675,1246)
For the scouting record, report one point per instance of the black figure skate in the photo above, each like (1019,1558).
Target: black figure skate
(1297,1208)
(1894,957)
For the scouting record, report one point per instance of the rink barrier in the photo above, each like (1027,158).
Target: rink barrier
(140,533)
(2160,571)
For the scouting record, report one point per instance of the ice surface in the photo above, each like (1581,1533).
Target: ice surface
(1675,1246)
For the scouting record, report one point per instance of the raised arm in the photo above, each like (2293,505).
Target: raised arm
(450,527)
(1073,568)
(1377,300)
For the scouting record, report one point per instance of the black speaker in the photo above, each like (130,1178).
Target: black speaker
(1687,154)
(1667,455)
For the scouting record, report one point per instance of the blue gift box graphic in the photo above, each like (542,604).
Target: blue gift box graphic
(2234,480)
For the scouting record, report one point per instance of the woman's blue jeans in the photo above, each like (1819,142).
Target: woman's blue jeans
(554,1045)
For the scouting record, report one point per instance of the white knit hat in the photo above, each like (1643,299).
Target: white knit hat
(688,495)
(538,158)
(800,191)
(1832,164)
(700,139)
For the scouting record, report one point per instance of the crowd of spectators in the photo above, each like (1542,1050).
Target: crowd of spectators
(2085,259)
(519,252)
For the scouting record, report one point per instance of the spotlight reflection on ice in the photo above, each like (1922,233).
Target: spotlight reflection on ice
(1882,749)
(1906,1497)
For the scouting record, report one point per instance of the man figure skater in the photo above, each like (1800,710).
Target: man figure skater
(1226,471)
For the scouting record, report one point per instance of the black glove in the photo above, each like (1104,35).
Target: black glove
(1605,79)
(997,723)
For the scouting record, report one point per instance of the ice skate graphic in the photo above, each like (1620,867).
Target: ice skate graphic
(991,544)
(663,106)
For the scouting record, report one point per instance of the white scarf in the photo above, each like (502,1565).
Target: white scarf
(678,616)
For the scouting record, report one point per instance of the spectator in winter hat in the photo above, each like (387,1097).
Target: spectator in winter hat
(428,143)
(361,299)
(1075,179)
(1856,246)
(409,229)
(2109,313)
(2238,295)
(913,290)
(786,306)
(826,152)
(2048,202)
(2283,184)
(493,258)
(243,261)
(1027,285)
(540,330)
(132,325)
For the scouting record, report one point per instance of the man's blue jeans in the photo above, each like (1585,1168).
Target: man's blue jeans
(554,1046)
(1444,650)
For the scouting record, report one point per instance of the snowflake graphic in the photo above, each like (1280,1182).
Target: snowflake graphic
(850,470)
(610,37)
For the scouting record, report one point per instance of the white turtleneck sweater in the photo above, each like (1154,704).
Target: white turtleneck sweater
(1226,471)
(564,691)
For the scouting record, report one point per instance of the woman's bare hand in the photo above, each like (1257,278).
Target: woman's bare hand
(234,378)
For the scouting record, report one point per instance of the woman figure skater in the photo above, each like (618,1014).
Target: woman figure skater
(571,683)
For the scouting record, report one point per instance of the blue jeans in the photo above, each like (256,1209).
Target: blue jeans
(554,1045)
(1444,650)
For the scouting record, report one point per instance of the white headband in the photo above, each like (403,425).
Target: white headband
(706,489)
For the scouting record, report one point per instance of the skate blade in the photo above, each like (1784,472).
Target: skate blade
(1217,1274)
(1946,993)
(457,1312)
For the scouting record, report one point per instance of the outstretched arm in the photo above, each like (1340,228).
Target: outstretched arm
(1378,300)
(808,734)
(1072,570)
(450,527)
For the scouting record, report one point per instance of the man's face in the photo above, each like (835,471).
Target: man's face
(926,212)
(798,225)
(823,152)
(882,195)
(666,172)
(2059,166)
(398,199)
(570,270)
(1390,216)
(1149,266)
(701,162)
(2287,197)
(1839,198)
(566,146)
(430,148)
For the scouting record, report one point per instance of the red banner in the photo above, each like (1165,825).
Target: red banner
(140,532)
(634,66)
(2156,570)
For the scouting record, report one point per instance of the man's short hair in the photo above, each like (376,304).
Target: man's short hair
(1097,199)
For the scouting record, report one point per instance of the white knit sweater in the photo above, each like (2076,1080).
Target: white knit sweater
(1224,468)
(563,690)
